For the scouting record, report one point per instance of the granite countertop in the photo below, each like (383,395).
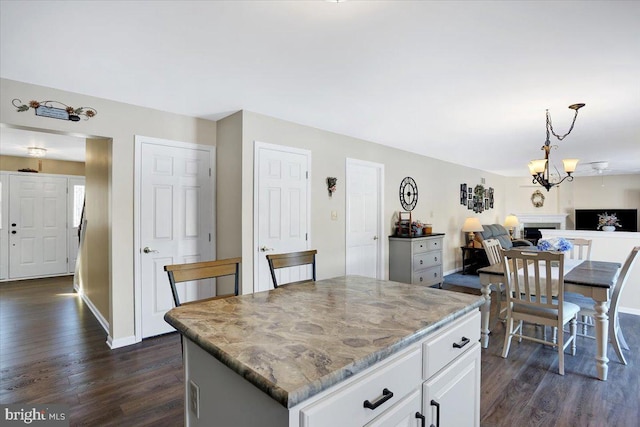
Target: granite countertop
(294,342)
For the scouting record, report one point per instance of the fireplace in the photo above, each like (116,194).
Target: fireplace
(533,234)
(531,224)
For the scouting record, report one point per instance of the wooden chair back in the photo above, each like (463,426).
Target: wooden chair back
(202,270)
(291,259)
(621,282)
(535,278)
(493,249)
(581,248)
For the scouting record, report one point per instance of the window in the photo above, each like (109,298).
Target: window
(78,202)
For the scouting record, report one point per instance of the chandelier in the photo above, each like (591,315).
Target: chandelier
(539,169)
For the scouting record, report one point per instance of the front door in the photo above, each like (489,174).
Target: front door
(37,226)
(176,225)
(364,218)
(282,210)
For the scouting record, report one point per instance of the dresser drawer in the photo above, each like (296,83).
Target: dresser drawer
(426,260)
(428,277)
(400,376)
(450,344)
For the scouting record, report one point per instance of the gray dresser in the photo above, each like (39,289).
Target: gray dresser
(416,260)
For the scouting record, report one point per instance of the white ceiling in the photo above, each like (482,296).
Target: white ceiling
(462,81)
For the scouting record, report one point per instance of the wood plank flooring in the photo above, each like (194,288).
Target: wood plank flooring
(52,350)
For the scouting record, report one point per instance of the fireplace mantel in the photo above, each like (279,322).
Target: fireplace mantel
(533,220)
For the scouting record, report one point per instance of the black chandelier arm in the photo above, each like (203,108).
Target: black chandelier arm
(546,183)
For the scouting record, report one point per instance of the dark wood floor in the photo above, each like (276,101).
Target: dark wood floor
(52,350)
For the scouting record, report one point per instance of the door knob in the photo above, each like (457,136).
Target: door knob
(375,237)
(265,249)
(146,250)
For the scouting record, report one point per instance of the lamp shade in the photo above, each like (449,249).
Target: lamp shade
(537,166)
(471,225)
(570,165)
(511,221)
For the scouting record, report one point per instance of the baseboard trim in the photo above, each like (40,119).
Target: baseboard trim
(120,342)
(627,310)
(96,313)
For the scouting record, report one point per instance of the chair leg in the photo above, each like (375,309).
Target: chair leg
(585,324)
(507,337)
(574,332)
(623,342)
(560,345)
(615,340)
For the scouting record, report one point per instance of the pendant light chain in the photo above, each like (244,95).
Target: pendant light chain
(550,126)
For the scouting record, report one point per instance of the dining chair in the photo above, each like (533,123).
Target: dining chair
(493,250)
(587,307)
(581,248)
(292,259)
(533,278)
(202,270)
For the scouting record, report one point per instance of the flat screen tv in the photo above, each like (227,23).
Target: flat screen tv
(587,219)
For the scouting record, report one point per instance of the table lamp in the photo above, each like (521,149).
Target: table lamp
(471,225)
(511,222)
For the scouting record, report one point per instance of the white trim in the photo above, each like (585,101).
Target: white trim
(381,242)
(627,310)
(121,342)
(99,317)
(257,146)
(137,178)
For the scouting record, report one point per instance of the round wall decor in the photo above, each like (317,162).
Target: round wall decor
(408,193)
(537,198)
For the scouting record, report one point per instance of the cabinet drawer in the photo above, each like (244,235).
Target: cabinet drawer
(428,277)
(426,260)
(427,245)
(441,350)
(400,376)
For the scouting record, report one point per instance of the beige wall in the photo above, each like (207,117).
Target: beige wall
(120,122)
(60,167)
(438,184)
(590,192)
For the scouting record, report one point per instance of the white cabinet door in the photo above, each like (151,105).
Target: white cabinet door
(406,413)
(452,397)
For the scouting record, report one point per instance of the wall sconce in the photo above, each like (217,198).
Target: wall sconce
(331,184)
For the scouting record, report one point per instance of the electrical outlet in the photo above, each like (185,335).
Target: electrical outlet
(194,398)
(334,215)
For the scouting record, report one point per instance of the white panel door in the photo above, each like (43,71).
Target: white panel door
(37,226)
(75,200)
(282,210)
(364,218)
(175,227)
(4,225)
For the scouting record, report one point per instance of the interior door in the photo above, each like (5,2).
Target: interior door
(176,225)
(37,226)
(364,218)
(282,210)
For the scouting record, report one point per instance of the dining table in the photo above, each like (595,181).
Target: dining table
(593,279)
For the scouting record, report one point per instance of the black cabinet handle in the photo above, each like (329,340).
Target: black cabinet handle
(435,258)
(421,278)
(462,343)
(386,395)
(437,405)
(420,262)
(13,232)
(421,417)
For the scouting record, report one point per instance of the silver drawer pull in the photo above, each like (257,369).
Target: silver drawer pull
(386,395)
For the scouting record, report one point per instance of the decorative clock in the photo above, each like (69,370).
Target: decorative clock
(408,194)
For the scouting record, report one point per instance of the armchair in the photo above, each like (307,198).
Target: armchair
(498,232)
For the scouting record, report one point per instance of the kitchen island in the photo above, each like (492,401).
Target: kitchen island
(344,351)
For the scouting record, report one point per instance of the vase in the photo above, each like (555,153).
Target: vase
(608,228)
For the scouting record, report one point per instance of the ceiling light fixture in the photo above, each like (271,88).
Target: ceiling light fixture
(539,169)
(37,151)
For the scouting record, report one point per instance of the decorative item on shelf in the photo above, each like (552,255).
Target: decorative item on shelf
(537,198)
(539,169)
(331,185)
(417,228)
(511,222)
(408,194)
(427,229)
(608,222)
(471,226)
(403,226)
(559,244)
(53,110)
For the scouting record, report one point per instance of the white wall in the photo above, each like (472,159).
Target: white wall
(438,190)
(119,122)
